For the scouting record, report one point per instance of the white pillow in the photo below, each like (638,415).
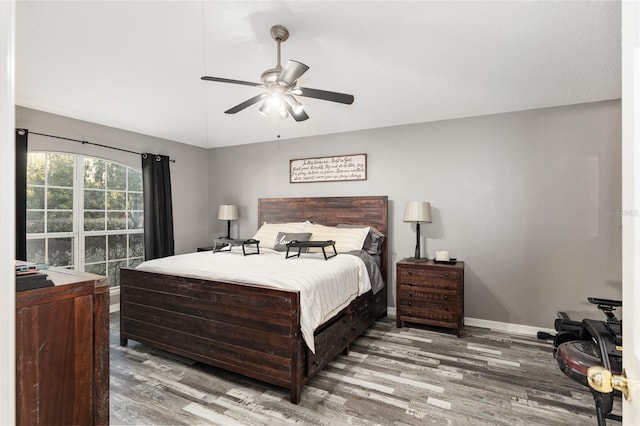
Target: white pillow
(346,239)
(268,232)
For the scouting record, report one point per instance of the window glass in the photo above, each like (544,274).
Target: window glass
(135,181)
(135,201)
(35,222)
(60,251)
(60,170)
(36,250)
(60,198)
(93,200)
(136,245)
(95,249)
(94,221)
(116,221)
(95,173)
(60,221)
(116,176)
(116,200)
(36,164)
(35,197)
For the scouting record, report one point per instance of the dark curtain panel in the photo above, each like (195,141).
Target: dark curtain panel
(158,211)
(21,193)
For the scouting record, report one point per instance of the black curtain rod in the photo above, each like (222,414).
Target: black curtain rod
(89,143)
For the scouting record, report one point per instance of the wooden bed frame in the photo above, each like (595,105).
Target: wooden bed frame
(217,323)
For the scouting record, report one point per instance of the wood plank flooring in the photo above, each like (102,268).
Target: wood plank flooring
(408,376)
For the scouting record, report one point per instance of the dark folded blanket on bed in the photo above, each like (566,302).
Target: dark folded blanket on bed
(373,268)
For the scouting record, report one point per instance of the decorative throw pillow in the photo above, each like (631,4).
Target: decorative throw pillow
(285,238)
(269,231)
(346,239)
(373,242)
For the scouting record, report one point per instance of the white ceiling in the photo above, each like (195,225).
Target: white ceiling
(137,65)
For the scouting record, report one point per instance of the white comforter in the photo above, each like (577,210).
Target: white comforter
(326,286)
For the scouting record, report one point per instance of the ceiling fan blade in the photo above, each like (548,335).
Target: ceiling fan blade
(342,98)
(228,80)
(298,114)
(245,104)
(291,72)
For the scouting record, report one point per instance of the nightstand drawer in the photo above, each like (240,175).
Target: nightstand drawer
(425,304)
(414,274)
(441,296)
(426,316)
(427,278)
(434,284)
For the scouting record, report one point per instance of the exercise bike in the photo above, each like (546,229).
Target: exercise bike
(580,345)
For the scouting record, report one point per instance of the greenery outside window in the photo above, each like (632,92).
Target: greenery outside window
(84,213)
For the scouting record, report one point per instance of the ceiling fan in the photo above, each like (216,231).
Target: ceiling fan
(279,86)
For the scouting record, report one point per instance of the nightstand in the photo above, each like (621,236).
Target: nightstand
(430,293)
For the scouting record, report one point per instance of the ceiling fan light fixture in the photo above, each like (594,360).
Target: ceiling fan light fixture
(275,100)
(265,109)
(295,105)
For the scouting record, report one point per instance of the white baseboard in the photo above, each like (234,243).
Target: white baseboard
(116,306)
(495,325)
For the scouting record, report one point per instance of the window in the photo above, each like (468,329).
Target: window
(84,213)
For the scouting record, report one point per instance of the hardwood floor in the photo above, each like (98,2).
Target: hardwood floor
(408,376)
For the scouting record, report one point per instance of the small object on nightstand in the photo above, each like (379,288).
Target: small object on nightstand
(430,293)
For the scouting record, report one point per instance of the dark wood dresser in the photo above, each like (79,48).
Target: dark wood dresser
(430,293)
(62,351)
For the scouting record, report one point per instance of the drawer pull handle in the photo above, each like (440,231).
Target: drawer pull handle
(446,318)
(446,275)
(409,303)
(446,286)
(446,308)
(410,294)
(410,272)
(446,296)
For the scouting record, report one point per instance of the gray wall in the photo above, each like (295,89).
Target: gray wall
(529,200)
(189,174)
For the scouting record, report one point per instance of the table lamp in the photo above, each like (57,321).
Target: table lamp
(228,212)
(418,212)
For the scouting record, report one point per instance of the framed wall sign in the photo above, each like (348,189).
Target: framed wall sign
(328,169)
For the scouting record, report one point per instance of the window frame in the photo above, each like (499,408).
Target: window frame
(78,233)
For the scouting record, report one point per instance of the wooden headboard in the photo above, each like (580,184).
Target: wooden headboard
(331,211)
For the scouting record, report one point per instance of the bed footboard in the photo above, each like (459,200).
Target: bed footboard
(247,329)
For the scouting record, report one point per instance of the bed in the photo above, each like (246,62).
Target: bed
(216,322)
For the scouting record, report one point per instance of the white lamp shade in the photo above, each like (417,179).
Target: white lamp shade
(417,211)
(228,212)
